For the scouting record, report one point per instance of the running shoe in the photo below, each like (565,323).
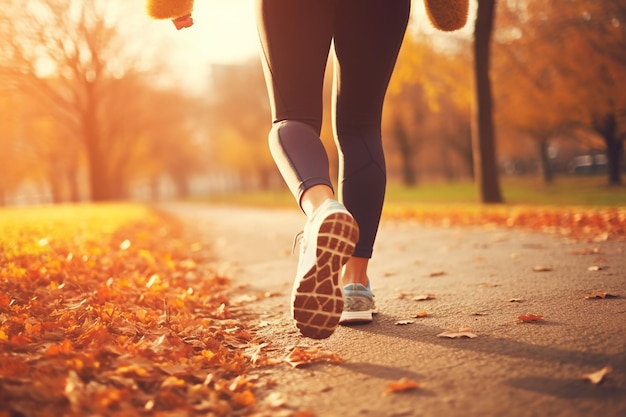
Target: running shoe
(358,304)
(327,243)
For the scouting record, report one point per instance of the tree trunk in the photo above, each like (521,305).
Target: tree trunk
(546,168)
(97,166)
(484,150)
(614,153)
(606,126)
(73,184)
(409,176)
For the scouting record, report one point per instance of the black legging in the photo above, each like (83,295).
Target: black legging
(296,36)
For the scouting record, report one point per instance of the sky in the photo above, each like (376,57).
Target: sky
(224,32)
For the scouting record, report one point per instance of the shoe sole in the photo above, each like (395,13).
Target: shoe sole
(318,300)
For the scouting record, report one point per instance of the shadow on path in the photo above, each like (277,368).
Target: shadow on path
(564,388)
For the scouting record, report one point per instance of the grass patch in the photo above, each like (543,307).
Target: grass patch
(564,191)
(570,191)
(579,207)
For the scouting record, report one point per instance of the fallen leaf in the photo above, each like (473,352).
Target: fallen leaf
(598,376)
(403,384)
(595,268)
(404,322)
(420,315)
(601,237)
(516,300)
(527,318)
(423,297)
(463,332)
(600,295)
(541,268)
(302,355)
(71,323)
(436,274)
(303,413)
(585,251)
(275,400)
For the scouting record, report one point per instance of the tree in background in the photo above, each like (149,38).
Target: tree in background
(12,173)
(426,118)
(545,86)
(239,118)
(485,164)
(70,58)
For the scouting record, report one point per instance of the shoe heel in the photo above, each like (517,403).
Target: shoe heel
(318,301)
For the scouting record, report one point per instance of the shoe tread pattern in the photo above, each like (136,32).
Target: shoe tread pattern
(318,301)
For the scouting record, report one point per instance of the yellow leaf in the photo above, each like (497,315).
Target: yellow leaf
(598,376)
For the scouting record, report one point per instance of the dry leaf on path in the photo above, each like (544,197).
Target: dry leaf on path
(403,384)
(423,297)
(302,355)
(542,268)
(598,376)
(275,400)
(463,332)
(595,268)
(303,413)
(436,274)
(528,318)
(600,295)
(404,322)
(516,300)
(585,251)
(420,315)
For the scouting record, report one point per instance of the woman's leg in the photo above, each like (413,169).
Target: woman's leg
(367,35)
(296,37)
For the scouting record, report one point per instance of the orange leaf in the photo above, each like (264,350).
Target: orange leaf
(301,355)
(245,398)
(600,295)
(530,318)
(403,384)
(64,347)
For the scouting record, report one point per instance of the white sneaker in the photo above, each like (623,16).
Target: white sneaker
(358,304)
(328,241)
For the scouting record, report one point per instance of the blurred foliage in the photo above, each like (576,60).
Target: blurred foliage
(84,116)
(113,310)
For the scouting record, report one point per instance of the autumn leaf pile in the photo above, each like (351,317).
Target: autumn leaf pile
(107,310)
(585,224)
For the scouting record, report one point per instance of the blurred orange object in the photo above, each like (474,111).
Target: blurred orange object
(447,15)
(183,22)
(169,9)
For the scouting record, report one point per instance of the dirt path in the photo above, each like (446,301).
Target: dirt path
(482,279)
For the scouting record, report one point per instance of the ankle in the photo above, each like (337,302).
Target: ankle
(355,271)
(314,197)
